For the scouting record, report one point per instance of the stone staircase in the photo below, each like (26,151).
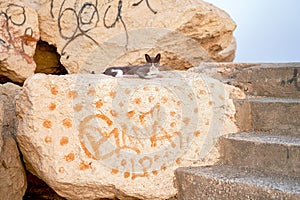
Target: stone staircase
(263,160)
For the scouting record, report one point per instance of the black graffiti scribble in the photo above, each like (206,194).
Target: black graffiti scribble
(9,18)
(148,5)
(15,16)
(294,79)
(117,19)
(86,20)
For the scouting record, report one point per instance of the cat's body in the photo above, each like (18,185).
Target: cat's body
(149,70)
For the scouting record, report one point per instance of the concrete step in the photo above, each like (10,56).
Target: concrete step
(278,115)
(273,80)
(281,80)
(263,151)
(225,182)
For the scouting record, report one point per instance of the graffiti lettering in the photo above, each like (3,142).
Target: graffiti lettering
(86,18)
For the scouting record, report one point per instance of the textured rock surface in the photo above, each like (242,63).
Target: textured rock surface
(18,36)
(223,182)
(92,36)
(12,175)
(8,92)
(94,136)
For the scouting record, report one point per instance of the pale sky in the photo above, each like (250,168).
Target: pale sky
(267,30)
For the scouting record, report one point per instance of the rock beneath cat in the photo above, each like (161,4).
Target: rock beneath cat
(18,37)
(95,136)
(12,174)
(91,37)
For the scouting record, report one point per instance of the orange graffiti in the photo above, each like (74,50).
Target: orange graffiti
(114,171)
(163,167)
(112,94)
(197,133)
(70,157)
(178,161)
(99,104)
(164,99)
(126,174)
(72,95)
(172,113)
(186,120)
(150,99)
(138,100)
(83,166)
(131,114)
(67,123)
(54,91)
(47,124)
(52,106)
(104,118)
(113,113)
(64,140)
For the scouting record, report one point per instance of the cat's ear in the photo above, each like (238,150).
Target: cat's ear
(148,58)
(157,58)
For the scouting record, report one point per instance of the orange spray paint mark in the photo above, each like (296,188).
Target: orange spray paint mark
(52,106)
(137,100)
(99,104)
(54,91)
(131,114)
(72,95)
(70,157)
(197,133)
(114,171)
(83,166)
(47,124)
(105,118)
(64,140)
(67,123)
(112,94)
(126,174)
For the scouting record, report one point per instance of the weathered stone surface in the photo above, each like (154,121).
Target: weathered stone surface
(262,151)
(276,115)
(8,92)
(225,182)
(280,80)
(95,136)
(12,175)
(18,36)
(91,37)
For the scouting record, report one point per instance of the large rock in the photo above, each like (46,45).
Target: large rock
(92,36)
(95,136)
(18,36)
(12,174)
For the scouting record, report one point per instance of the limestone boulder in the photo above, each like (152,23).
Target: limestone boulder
(12,174)
(92,35)
(19,34)
(95,136)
